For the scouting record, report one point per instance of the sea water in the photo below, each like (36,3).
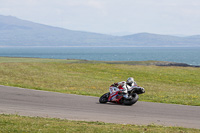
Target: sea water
(174,54)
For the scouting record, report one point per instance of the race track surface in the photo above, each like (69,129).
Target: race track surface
(29,102)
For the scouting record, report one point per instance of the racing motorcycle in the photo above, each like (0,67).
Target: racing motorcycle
(132,96)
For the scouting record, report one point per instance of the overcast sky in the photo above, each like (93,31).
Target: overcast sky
(175,17)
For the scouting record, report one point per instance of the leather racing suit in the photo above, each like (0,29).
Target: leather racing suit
(120,86)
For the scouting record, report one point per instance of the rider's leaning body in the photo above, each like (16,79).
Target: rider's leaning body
(121,87)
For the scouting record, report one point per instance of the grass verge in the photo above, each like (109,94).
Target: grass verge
(20,124)
(177,85)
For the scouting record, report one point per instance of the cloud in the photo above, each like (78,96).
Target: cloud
(96,4)
(4,10)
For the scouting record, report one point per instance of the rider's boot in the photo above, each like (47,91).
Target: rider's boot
(127,96)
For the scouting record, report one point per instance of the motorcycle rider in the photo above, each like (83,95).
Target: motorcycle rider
(121,87)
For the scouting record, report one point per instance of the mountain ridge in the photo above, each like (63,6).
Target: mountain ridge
(18,32)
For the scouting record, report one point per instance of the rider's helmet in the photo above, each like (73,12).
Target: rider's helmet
(130,81)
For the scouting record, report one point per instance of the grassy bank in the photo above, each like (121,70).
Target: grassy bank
(19,124)
(178,85)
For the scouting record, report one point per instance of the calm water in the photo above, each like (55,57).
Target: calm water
(182,55)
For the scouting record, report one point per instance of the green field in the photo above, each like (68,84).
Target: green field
(22,124)
(177,85)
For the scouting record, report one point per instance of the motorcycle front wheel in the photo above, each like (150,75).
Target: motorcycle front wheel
(104,98)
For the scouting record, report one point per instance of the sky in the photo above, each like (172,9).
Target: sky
(115,17)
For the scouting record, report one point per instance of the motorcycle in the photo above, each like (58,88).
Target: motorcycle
(133,97)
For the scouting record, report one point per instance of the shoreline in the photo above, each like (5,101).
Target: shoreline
(186,55)
(144,63)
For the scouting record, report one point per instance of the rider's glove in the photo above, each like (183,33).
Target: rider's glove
(115,84)
(120,92)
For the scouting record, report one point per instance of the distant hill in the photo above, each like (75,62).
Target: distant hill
(17,32)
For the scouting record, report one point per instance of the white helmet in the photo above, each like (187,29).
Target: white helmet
(130,80)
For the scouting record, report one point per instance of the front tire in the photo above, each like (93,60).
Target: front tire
(131,101)
(104,98)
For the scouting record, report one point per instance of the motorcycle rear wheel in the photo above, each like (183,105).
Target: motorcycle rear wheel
(104,98)
(132,101)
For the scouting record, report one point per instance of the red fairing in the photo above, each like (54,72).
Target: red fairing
(114,97)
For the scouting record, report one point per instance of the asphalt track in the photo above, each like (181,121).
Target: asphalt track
(29,102)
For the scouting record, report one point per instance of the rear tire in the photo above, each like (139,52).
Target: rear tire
(131,101)
(104,98)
